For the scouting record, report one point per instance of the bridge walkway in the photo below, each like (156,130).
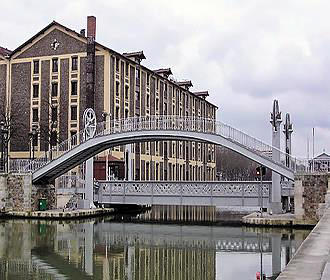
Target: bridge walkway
(76,150)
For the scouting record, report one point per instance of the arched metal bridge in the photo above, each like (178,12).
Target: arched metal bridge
(76,150)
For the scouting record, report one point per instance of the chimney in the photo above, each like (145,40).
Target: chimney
(83,32)
(91,27)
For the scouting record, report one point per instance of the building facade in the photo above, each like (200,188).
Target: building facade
(44,92)
(320,163)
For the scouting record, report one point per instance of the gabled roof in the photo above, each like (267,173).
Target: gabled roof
(53,23)
(4,52)
(323,156)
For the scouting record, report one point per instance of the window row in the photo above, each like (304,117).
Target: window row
(54,89)
(36,65)
(54,114)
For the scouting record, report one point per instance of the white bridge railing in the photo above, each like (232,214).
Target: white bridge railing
(191,124)
(221,193)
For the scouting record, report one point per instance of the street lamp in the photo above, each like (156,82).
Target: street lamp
(32,135)
(4,146)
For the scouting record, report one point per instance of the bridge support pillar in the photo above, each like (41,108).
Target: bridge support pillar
(275,198)
(128,163)
(89,181)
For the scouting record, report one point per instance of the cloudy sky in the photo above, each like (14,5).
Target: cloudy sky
(245,52)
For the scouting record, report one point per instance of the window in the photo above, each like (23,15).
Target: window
(137,76)
(35,115)
(73,135)
(117,113)
(54,114)
(55,65)
(53,138)
(157,84)
(157,146)
(165,90)
(54,89)
(117,88)
(74,87)
(117,64)
(73,113)
(126,92)
(126,113)
(157,104)
(35,139)
(35,91)
(148,100)
(165,149)
(165,108)
(148,79)
(157,171)
(137,97)
(74,63)
(36,67)
(126,68)
(147,170)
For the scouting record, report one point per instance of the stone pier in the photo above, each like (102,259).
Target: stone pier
(18,194)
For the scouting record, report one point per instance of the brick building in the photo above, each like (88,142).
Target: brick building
(43,86)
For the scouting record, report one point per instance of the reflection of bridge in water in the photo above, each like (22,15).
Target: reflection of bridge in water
(104,250)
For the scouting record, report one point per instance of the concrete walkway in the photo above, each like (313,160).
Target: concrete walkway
(281,220)
(60,214)
(312,260)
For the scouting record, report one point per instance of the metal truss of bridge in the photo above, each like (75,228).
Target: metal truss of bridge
(221,194)
(76,150)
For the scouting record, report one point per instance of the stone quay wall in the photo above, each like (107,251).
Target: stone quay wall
(18,194)
(310,194)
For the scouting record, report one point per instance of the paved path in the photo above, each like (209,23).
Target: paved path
(60,214)
(312,260)
(284,220)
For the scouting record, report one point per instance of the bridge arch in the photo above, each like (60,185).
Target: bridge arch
(158,128)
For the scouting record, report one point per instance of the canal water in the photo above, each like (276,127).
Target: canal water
(104,249)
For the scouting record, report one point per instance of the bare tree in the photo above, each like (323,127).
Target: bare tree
(232,166)
(49,136)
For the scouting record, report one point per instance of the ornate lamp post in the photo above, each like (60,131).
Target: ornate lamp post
(32,135)
(4,146)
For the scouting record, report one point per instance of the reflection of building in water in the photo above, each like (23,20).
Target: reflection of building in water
(131,251)
(161,263)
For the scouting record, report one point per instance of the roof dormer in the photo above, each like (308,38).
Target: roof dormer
(164,72)
(136,56)
(4,52)
(185,84)
(202,94)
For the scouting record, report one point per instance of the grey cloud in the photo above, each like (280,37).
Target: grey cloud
(246,53)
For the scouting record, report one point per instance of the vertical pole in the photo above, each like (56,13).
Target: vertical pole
(313,162)
(261,192)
